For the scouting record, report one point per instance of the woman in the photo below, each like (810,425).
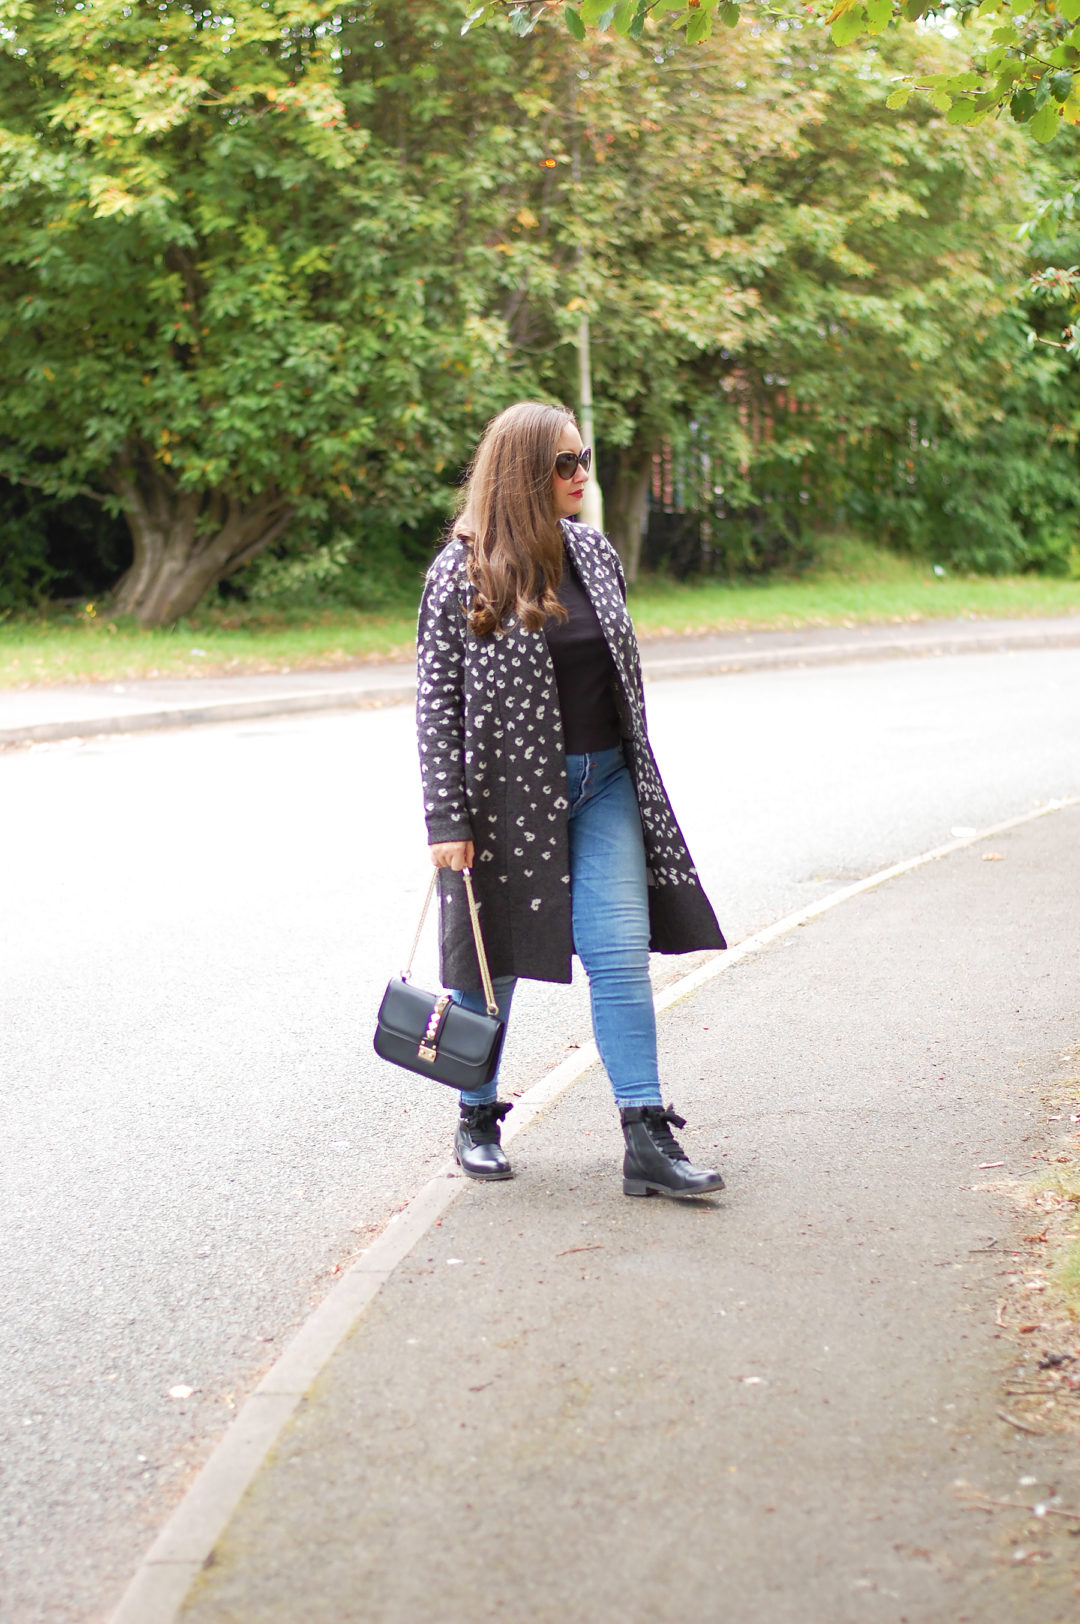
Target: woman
(539,778)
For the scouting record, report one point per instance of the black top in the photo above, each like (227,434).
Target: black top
(585,674)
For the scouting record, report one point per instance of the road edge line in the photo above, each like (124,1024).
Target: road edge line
(161,1582)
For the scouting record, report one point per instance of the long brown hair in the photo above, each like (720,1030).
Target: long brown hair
(507,516)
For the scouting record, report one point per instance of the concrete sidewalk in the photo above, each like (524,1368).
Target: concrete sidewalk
(776,1405)
(40,714)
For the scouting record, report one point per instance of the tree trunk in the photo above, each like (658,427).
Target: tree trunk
(185,542)
(625,503)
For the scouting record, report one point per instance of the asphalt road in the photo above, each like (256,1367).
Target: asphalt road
(198,926)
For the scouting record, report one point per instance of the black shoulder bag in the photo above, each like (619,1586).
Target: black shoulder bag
(428,1033)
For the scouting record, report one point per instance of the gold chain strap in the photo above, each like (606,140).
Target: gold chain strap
(407,972)
(485,973)
(474,920)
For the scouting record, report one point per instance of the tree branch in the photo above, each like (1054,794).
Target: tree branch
(39,485)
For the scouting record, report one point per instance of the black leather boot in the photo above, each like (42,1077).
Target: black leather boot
(476,1142)
(655,1163)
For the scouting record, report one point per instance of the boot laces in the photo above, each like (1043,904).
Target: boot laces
(659,1125)
(483,1120)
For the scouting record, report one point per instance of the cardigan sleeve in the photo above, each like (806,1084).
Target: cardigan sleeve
(440,702)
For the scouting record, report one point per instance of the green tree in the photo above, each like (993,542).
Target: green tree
(228,299)
(638,179)
(894,296)
(1016,57)
(781,273)
(260,268)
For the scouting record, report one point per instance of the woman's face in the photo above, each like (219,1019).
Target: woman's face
(568,493)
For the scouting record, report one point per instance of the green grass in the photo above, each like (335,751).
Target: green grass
(854,583)
(92,648)
(1064,1183)
(1061,1181)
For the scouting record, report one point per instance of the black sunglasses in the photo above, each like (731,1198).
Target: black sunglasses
(567,462)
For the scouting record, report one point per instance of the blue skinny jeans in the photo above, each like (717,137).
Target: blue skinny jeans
(610,914)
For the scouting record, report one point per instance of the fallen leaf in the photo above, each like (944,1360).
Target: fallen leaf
(993,856)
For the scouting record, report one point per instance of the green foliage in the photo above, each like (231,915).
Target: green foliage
(647,219)
(274,270)
(26,576)
(989,479)
(358,564)
(242,274)
(998,488)
(1023,55)
(1005,504)
(787,308)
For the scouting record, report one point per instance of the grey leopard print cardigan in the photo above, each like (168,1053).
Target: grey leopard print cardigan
(493,771)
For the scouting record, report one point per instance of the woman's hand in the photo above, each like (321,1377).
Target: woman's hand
(455,854)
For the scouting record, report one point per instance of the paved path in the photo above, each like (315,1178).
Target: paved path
(773,1406)
(88,709)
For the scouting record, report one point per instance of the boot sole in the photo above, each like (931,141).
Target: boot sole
(483,1178)
(643,1187)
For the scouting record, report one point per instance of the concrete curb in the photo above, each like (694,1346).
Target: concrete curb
(368,696)
(894,648)
(225,710)
(160,1585)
